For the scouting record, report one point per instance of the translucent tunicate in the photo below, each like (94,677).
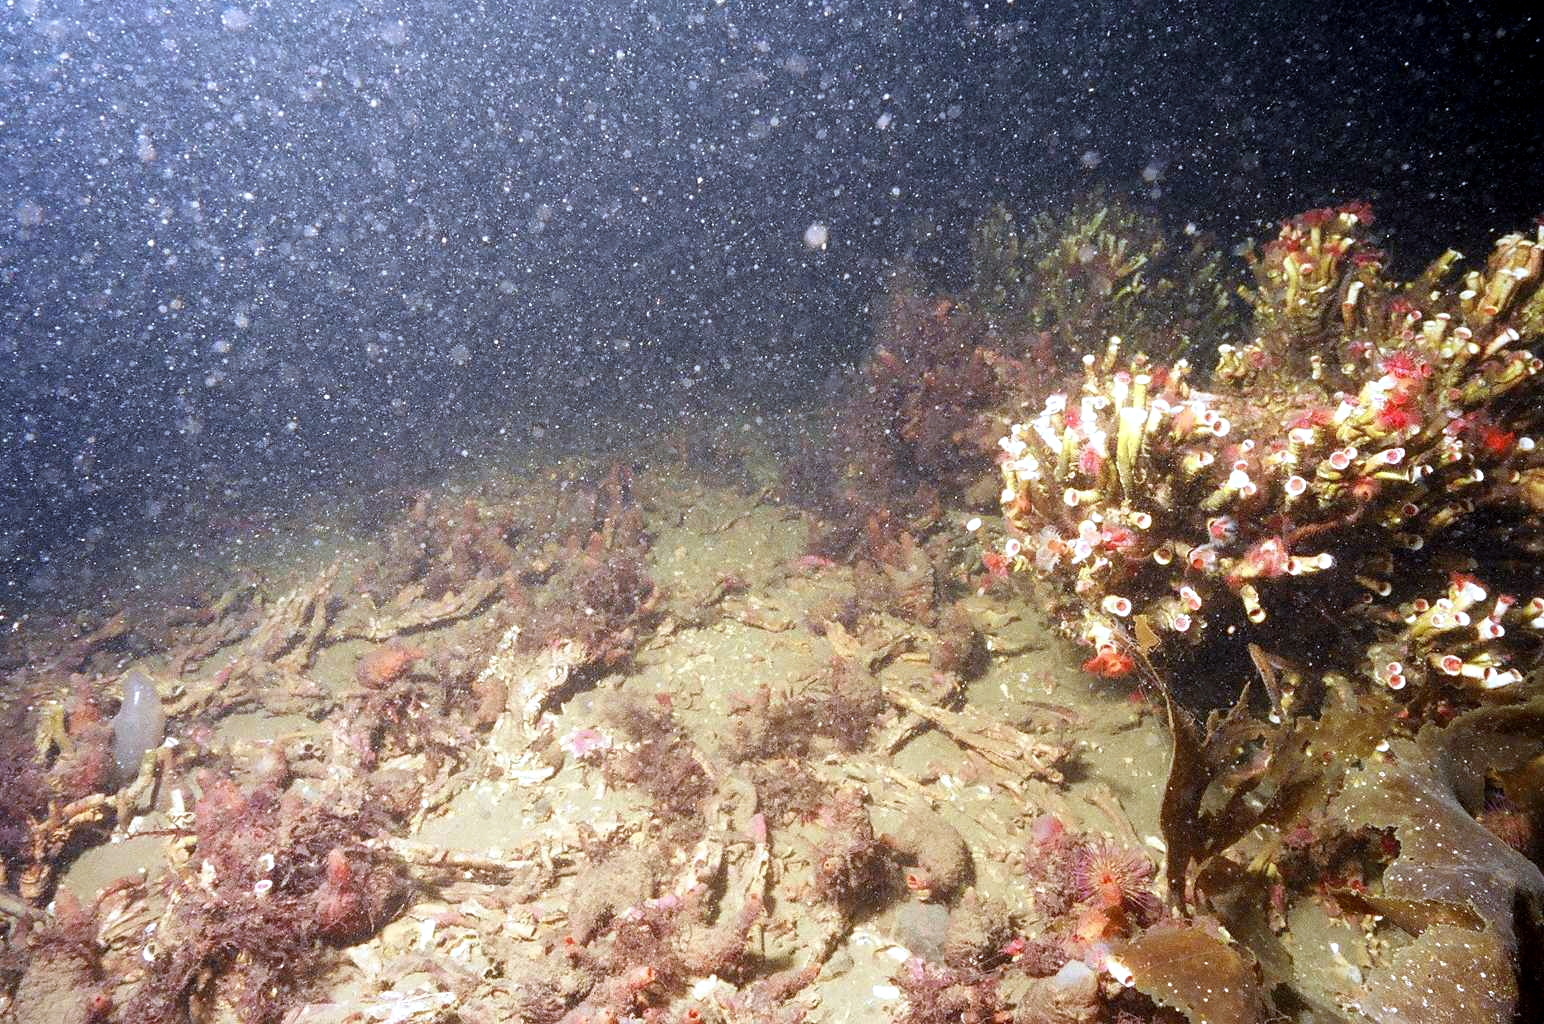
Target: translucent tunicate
(139,725)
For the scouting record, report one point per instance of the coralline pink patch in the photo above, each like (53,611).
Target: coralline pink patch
(1095,954)
(1269,557)
(1047,830)
(1119,538)
(1222,529)
(585,740)
(1401,366)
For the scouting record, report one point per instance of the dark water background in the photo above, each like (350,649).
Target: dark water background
(251,249)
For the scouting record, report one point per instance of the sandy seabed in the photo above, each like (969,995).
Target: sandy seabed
(637,753)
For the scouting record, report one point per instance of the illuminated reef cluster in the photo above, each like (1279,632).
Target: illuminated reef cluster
(1376,436)
(915,426)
